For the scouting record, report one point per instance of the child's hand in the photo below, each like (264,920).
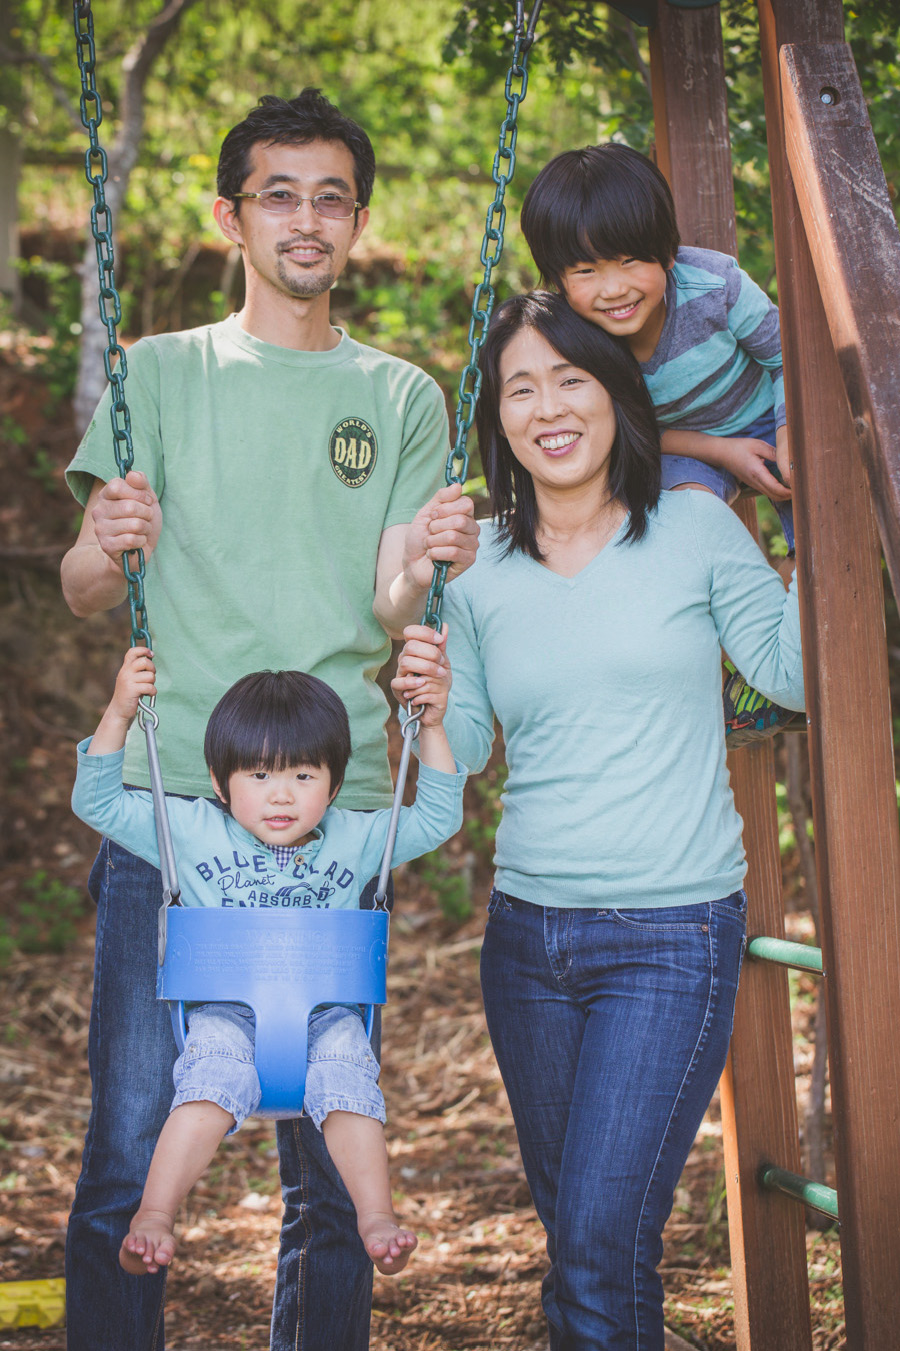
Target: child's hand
(136,680)
(746,460)
(423,673)
(783,454)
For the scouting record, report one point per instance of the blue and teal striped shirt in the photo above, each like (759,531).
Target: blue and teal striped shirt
(717,365)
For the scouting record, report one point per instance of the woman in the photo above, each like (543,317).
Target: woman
(591,626)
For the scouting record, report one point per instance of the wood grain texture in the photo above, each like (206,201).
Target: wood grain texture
(758,1104)
(855,246)
(851,752)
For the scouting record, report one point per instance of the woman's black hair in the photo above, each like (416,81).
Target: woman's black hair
(605,201)
(634,465)
(296,121)
(274,719)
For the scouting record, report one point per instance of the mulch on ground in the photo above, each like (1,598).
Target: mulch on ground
(473,1283)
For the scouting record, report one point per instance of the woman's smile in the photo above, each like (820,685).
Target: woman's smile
(559,420)
(558,443)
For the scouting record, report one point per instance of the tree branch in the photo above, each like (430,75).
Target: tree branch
(56,86)
(123,154)
(641,64)
(136,66)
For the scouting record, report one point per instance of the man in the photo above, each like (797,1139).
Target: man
(283,468)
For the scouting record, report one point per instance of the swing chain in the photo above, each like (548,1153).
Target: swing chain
(96,168)
(483,299)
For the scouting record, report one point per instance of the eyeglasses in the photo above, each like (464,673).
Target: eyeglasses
(285,203)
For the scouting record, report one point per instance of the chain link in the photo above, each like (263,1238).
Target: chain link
(483,300)
(96,170)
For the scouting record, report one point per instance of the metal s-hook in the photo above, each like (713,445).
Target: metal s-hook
(525,27)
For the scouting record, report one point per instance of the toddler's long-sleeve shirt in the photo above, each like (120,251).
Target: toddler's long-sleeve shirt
(222,864)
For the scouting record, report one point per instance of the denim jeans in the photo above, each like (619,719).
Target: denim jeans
(611,1029)
(217,1064)
(324,1278)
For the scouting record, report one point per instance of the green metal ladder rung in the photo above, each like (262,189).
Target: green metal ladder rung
(783,953)
(813,1194)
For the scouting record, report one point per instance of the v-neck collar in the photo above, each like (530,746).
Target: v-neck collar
(592,563)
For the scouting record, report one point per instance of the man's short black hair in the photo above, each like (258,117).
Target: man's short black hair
(296,121)
(274,719)
(605,201)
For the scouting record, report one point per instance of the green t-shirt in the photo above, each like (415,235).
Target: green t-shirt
(277,472)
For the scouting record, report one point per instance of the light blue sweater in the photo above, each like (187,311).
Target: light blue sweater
(222,864)
(608,689)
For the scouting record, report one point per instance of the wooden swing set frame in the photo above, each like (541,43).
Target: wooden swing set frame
(837,254)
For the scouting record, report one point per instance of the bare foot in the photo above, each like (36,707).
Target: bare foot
(149,1243)
(387,1244)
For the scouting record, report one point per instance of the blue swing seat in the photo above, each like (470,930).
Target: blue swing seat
(281,964)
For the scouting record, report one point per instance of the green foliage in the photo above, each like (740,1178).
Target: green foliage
(12,431)
(426,80)
(770,530)
(45,920)
(451,878)
(480,826)
(406,313)
(787,836)
(59,287)
(567,32)
(450,886)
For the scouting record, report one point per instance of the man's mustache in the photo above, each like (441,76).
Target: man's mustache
(295,243)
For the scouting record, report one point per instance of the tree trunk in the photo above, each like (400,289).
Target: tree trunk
(9,216)
(123,154)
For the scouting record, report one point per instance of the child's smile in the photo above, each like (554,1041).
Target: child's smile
(624,296)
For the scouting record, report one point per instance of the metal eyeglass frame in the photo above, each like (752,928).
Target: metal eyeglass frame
(266,192)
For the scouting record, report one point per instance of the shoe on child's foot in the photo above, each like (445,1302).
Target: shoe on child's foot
(750,716)
(387,1244)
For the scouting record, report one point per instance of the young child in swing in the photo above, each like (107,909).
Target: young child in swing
(277,745)
(600,223)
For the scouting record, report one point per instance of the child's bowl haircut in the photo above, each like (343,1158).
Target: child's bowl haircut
(275,719)
(604,201)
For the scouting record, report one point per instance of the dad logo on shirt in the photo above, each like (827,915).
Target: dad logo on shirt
(352,450)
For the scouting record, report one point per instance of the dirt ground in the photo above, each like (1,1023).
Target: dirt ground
(474,1282)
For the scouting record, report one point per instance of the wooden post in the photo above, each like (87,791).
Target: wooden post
(851,755)
(852,233)
(759,1112)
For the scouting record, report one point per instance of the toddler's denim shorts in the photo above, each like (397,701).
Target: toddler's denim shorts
(217,1064)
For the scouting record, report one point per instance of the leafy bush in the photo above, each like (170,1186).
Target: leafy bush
(46,917)
(55,289)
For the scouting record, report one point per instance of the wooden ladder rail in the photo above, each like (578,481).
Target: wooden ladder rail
(836,243)
(758,1102)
